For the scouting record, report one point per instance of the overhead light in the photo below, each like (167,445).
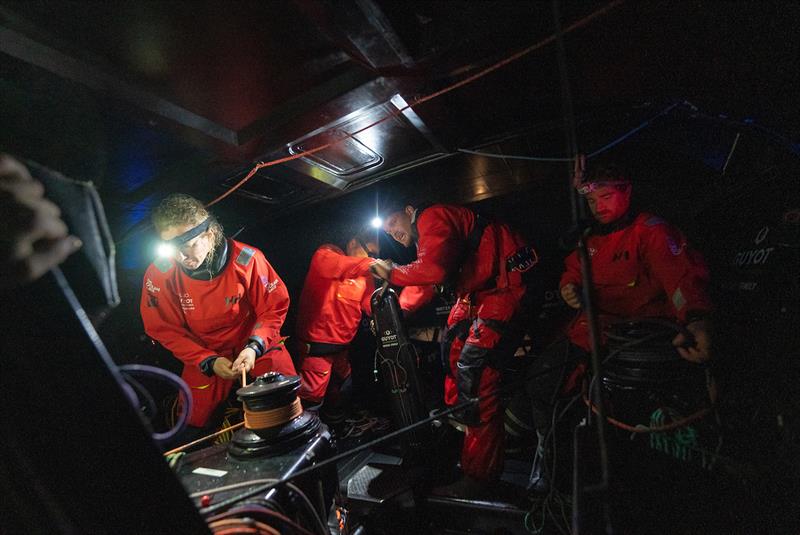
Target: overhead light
(357,145)
(346,156)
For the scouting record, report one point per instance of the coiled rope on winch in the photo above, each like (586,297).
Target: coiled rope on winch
(258,420)
(253,419)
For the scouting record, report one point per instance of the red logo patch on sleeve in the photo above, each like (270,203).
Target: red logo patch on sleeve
(674,248)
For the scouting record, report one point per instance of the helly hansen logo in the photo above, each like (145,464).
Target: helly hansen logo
(621,255)
(232,300)
(522,260)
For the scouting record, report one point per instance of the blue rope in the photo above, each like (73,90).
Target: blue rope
(746,123)
(629,134)
(590,155)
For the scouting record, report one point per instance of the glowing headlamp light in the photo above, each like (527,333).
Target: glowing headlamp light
(165,250)
(376,222)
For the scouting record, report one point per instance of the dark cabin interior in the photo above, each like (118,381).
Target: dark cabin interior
(697,99)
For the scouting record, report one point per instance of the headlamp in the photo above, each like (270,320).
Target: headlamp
(192,233)
(588,187)
(376,222)
(168,248)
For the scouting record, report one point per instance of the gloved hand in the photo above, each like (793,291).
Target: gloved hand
(700,351)
(223,368)
(571,294)
(382,268)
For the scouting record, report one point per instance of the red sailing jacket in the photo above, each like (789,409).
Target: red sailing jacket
(644,269)
(443,235)
(337,288)
(197,319)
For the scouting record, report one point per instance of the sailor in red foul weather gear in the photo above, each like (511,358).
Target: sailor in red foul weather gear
(336,291)
(216,304)
(641,267)
(484,261)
